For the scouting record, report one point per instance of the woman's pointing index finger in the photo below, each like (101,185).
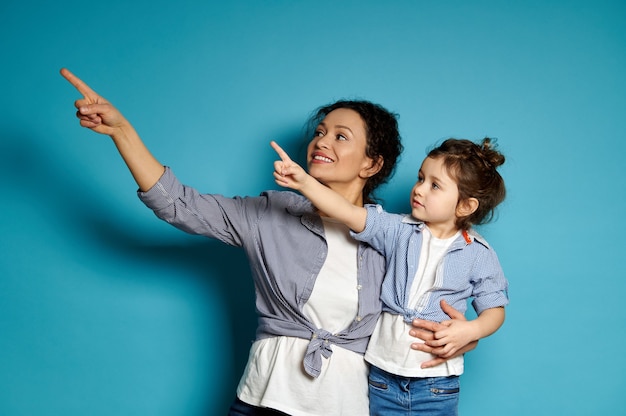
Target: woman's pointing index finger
(281,153)
(78,84)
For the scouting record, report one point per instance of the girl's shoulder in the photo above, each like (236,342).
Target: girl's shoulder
(477,238)
(378,210)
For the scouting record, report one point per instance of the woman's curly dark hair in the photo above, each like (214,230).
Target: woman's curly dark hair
(383,138)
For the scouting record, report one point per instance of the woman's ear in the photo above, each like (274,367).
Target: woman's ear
(466,207)
(372,168)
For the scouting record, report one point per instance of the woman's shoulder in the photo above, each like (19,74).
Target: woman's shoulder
(290,200)
(284,196)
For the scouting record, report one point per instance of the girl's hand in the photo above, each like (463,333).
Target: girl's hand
(94,112)
(288,173)
(445,340)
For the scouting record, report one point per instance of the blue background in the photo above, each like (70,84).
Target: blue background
(106,310)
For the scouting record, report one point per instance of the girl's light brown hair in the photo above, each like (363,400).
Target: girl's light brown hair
(474,167)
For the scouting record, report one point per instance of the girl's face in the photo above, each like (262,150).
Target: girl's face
(336,155)
(435,197)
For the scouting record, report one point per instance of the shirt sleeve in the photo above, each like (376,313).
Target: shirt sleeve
(378,229)
(490,287)
(210,215)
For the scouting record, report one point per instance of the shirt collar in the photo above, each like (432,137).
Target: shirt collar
(473,235)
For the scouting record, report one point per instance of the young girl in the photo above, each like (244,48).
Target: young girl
(432,255)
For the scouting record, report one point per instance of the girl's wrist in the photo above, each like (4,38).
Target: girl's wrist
(476,330)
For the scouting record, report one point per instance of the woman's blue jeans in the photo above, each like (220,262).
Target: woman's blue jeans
(392,395)
(239,408)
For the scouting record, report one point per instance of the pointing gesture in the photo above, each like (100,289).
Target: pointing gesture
(97,114)
(94,112)
(288,173)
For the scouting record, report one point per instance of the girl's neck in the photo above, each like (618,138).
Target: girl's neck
(442,231)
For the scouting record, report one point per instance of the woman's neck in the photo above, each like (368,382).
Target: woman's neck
(353,194)
(355,198)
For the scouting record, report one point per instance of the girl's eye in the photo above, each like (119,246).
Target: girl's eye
(420,179)
(435,186)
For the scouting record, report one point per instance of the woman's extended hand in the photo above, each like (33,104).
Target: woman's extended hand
(288,173)
(97,114)
(434,336)
(94,112)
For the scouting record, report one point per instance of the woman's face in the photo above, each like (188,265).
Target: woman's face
(336,155)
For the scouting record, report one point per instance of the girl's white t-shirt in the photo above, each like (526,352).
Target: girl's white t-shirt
(274,376)
(390,345)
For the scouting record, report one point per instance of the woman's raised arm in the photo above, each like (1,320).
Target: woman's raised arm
(97,114)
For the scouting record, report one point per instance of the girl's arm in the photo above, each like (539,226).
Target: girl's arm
(99,115)
(455,335)
(289,174)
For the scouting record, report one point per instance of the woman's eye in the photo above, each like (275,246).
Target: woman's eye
(341,137)
(318,133)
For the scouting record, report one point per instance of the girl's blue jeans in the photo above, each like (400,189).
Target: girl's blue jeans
(392,395)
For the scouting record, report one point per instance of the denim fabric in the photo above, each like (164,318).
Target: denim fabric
(392,395)
(239,408)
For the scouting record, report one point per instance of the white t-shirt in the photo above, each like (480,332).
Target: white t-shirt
(390,345)
(274,376)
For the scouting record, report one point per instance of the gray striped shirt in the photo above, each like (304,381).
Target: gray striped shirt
(284,241)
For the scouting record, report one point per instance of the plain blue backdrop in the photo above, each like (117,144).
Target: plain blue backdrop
(106,310)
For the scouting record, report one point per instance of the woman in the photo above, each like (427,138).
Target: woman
(317,290)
